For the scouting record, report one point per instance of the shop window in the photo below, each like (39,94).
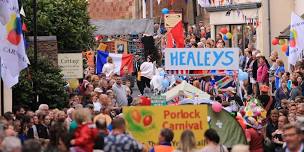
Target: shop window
(242,35)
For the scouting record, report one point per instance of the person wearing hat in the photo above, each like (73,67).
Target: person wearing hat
(265,98)
(232,96)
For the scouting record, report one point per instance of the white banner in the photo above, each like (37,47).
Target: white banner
(71,65)
(12,50)
(201,58)
(296,42)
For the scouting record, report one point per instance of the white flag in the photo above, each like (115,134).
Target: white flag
(296,45)
(203,3)
(12,49)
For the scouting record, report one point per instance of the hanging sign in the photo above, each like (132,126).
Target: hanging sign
(172,19)
(201,59)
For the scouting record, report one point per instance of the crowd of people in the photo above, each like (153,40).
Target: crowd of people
(93,121)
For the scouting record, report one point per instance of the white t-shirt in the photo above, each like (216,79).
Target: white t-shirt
(147,70)
(97,106)
(108,69)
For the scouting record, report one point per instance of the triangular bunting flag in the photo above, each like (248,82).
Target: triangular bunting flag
(22,12)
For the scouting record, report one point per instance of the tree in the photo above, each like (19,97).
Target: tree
(50,85)
(66,19)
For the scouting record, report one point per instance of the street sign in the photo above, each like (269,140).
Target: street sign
(172,19)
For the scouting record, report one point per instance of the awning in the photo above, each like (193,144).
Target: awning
(123,27)
(187,89)
(286,32)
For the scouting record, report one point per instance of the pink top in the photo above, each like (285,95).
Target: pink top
(262,74)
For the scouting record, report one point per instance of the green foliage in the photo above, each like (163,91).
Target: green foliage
(50,85)
(66,19)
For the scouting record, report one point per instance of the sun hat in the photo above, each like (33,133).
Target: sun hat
(264,88)
(254,114)
(98,90)
(231,89)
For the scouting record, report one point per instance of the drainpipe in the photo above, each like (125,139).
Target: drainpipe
(269,27)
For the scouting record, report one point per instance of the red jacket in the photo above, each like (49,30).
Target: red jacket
(85,136)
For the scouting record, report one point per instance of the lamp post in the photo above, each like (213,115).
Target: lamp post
(35,47)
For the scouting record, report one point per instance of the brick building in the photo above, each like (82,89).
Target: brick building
(132,9)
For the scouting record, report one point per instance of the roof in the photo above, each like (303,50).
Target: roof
(286,32)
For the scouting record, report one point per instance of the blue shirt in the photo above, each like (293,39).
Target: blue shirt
(280,69)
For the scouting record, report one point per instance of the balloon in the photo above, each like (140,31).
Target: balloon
(165,83)
(281,41)
(229,35)
(217,107)
(275,41)
(162,73)
(165,11)
(284,48)
(242,75)
(292,43)
(225,37)
(223,30)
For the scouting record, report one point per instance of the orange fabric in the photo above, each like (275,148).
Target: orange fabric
(162,148)
(89,55)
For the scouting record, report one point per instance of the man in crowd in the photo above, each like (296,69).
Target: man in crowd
(120,91)
(293,138)
(119,140)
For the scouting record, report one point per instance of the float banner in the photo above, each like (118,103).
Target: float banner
(201,58)
(144,123)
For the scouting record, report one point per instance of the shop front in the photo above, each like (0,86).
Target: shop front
(241,20)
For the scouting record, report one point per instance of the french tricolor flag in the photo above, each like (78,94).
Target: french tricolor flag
(120,60)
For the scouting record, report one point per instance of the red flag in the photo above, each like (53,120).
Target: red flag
(178,35)
(169,41)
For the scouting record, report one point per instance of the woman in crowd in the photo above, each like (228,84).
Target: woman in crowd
(277,136)
(84,135)
(213,142)
(262,72)
(108,68)
(251,68)
(281,93)
(187,142)
(279,72)
(59,138)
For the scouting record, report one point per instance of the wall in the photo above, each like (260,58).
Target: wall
(113,9)
(280,19)
(299,7)
(47,46)
(178,5)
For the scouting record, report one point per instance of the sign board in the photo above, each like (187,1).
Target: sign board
(71,65)
(202,59)
(144,123)
(172,19)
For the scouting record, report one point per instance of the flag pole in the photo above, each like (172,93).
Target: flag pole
(2,90)
(35,46)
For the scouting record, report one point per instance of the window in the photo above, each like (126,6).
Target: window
(242,35)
